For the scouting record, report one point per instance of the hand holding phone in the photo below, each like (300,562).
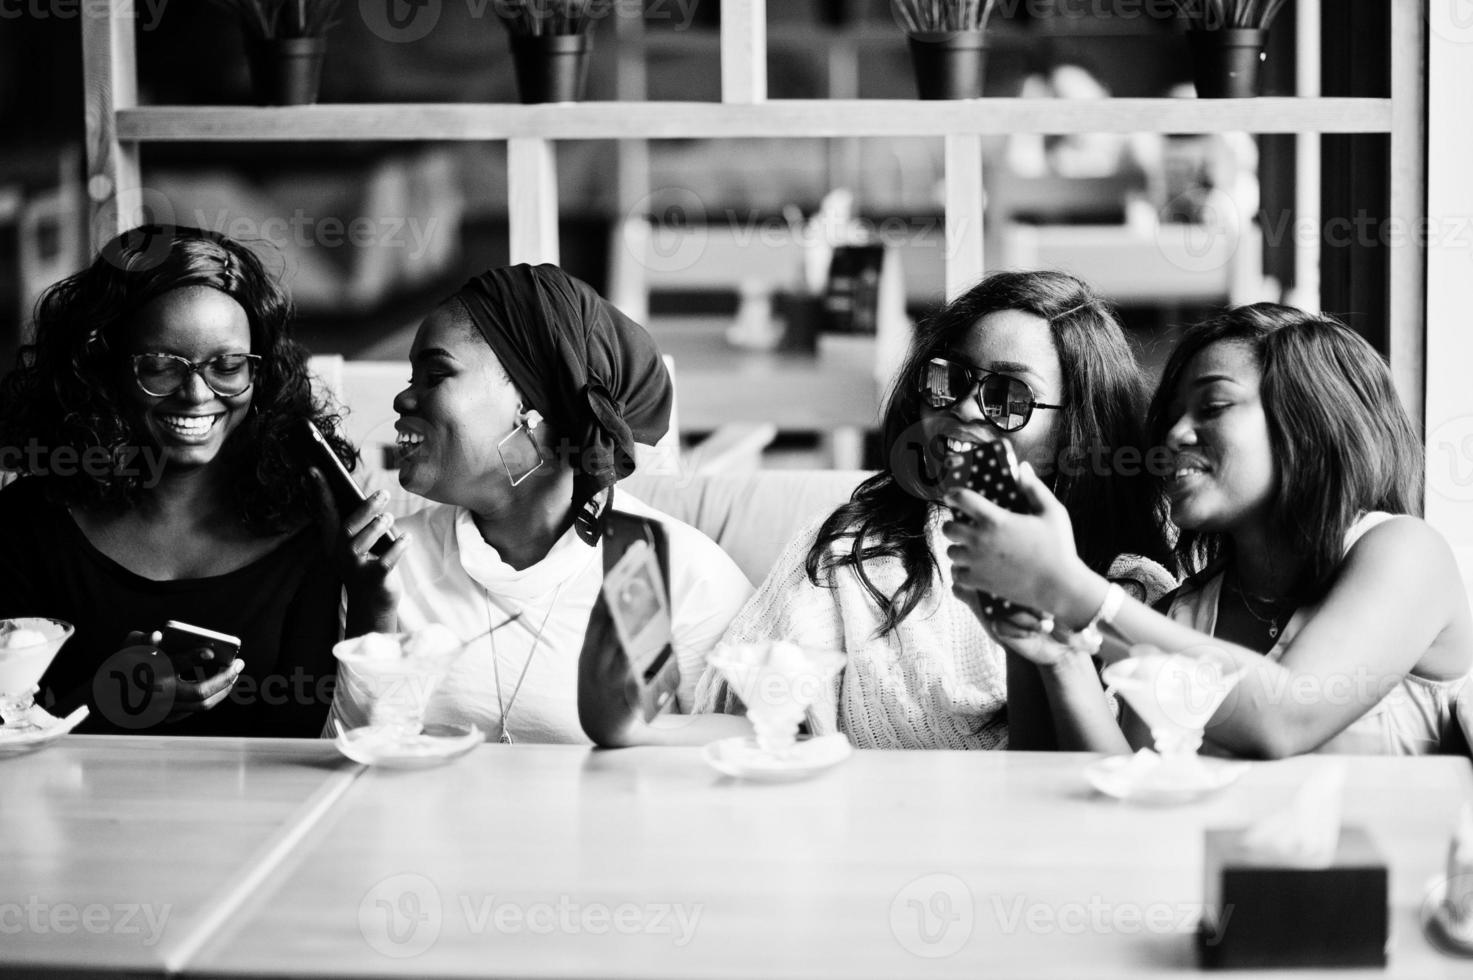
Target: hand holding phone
(196,652)
(990,469)
(347,495)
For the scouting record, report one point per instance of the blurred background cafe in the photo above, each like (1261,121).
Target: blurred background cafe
(779,191)
(778,254)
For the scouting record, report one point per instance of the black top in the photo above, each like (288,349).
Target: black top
(283,606)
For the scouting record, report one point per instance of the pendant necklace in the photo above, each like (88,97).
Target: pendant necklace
(1272,621)
(505,709)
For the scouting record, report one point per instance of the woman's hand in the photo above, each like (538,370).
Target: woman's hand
(1019,632)
(1028,558)
(182,680)
(373,594)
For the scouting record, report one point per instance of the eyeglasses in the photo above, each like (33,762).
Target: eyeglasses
(1006,402)
(161,375)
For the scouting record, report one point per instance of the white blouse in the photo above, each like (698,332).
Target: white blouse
(451,576)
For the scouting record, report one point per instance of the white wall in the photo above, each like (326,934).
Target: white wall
(1449,368)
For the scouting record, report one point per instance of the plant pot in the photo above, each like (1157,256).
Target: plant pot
(1225,63)
(551,67)
(286,70)
(949,65)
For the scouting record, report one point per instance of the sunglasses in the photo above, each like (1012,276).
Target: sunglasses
(1006,402)
(161,375)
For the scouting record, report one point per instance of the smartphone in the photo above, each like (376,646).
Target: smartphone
(991,469)
(638,601)
(346,493)
(180,641)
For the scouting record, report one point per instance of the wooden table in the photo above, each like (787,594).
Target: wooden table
(117,855)
(542,861)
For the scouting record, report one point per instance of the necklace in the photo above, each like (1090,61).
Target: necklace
(1275,612)
(505,709)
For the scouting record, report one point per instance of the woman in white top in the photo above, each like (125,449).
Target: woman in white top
(1295,478)
(528,392)
(1031,357)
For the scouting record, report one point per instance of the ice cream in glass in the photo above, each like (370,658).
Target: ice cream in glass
(778,682)
(28,644)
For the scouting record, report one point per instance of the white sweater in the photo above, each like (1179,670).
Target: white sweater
(937,682)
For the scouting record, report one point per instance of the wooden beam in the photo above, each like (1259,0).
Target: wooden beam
(1407,311)
(1307,160)
(532,200)
(964,206)
(628,288)
(1449,342)
(775,119)
(114,185)
(744,51)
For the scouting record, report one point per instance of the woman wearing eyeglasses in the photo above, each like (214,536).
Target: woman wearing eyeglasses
(150,422)
(1295,476)
(1034,358)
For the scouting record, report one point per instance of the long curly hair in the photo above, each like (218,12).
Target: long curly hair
(1115,510)
(67,390)
(1342,442)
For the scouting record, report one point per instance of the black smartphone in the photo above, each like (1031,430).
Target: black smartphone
(180,642)
(638,601)
(346,493)
(991,469)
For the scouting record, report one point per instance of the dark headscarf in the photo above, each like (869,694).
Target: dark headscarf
(595,374)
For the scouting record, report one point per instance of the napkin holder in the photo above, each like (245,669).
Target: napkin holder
(1264,913)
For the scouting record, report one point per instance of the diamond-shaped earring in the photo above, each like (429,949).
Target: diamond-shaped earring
(529,423)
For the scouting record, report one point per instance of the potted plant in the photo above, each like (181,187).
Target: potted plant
(1227,39)
(285,41)
(946,46)
(550,44)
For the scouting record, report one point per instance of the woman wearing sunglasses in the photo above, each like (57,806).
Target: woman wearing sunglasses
(151,425)
(1034,358)
(1295,478)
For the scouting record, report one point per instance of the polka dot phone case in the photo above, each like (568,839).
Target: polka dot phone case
(990,469)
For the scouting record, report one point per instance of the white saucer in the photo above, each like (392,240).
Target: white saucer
(49,728)
(1144,778)
(434,746)
(1442,931)
(740,757)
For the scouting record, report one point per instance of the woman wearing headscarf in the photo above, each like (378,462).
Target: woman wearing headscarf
(528,393)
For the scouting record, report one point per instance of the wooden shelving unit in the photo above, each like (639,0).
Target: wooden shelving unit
(775,119)
(117,125)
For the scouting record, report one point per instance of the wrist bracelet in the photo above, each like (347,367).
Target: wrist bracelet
(1090,639)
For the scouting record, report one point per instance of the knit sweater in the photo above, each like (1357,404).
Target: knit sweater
(938,681)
